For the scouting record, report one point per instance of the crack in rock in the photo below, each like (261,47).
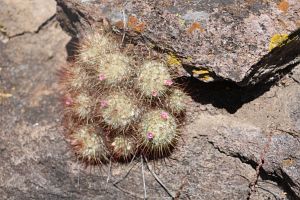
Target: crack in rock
(6,37)
(275,156)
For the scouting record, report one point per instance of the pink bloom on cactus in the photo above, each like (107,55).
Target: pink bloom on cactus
(68,101)
(103,103)
(154,93)
(101,77)
(168,82)
(150,135)
(164,115)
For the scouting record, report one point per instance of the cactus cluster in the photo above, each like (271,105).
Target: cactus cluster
(119,106)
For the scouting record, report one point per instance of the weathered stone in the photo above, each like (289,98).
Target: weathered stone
(15,14)
(37,162)
(229,40)
(278,152)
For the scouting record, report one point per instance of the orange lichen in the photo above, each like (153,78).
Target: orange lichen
(140,27)
(132,21)
(135,25)
(195,26)
(119,24)
(283,6)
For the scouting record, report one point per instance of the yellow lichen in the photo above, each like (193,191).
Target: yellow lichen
(200,71)
(206,78)
(277,40)
(288,162)
(5,95)
(172,60)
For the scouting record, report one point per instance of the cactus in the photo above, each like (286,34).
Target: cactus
(82,106)
(93,47)
(119,110)
(75,78)
(123,147)
(89,145)
(157,132)
(113,70)
(153,79)
(105,89)
(176,101)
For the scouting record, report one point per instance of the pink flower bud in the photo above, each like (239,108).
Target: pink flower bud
(101,77)
(168,82)
(150,135)
(154,93)
(68,101)
(103,103)
(164,115)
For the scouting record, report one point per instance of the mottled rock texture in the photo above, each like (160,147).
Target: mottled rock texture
(228,131)
(230,39)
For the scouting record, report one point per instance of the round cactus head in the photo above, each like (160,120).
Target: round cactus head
(176,101)
(75,78)
(93,47)
(119,110)
(114,69)
(82,105)
(158,132)
(123,147)
(89,145)
(153,79)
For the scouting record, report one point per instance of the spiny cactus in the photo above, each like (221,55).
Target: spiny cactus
(123,147)
(113,69)
(119,110)
(107,90)
(81,105)
(93,47)
(75,78)
(157,132)
(89,145)
(176,101)
(153,79)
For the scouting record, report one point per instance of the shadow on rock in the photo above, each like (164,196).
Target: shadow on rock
(227,94)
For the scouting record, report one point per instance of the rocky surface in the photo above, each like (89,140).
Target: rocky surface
(230,40)
(228,133)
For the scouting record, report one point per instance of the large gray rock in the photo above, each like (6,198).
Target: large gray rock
(15,14)
(215,157)
(228,40)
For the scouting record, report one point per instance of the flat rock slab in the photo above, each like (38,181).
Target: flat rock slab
(15,14)
(215,158)
(213,39)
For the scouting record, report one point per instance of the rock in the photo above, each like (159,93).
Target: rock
(213,159)
(214,40)
(15,14)
(279,151)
